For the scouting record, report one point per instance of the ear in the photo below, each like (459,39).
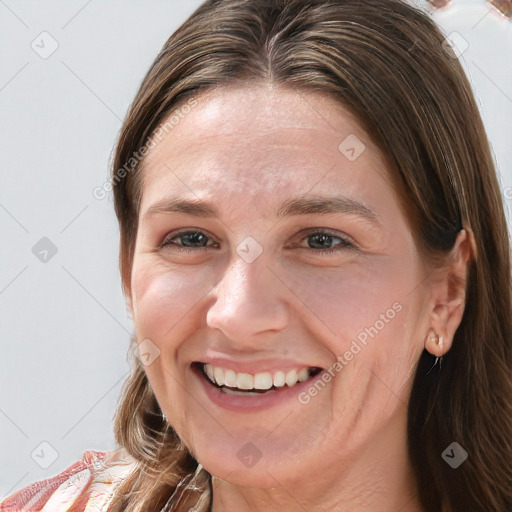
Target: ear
(448,294)
(129,305)
(126,286)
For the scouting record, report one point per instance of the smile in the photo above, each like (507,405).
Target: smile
(246,384)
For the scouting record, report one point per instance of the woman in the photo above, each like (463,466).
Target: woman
(316,256)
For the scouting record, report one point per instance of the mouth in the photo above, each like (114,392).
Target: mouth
(246,384)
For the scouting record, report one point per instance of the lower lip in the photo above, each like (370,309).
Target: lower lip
(253,402)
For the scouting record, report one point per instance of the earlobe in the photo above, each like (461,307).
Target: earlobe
(129,306)
(128,298)
(126,287)
(435,344)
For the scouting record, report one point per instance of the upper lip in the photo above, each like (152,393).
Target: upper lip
(253,367)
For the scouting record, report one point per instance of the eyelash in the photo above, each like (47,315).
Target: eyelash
(345,243)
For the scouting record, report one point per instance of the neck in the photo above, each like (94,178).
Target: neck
(380,478)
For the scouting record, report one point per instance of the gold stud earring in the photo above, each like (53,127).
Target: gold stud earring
(433,337)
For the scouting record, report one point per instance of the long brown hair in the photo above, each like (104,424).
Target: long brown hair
(387,62)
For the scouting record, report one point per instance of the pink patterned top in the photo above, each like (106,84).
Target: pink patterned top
(89,484)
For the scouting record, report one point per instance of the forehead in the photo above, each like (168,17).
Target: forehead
(263,142)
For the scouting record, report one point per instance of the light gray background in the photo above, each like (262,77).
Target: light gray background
(65,326)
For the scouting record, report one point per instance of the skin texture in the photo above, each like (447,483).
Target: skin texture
(247,151)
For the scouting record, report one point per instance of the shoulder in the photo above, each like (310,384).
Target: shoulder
(88,484)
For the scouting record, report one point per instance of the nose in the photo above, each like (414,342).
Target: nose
(248,301)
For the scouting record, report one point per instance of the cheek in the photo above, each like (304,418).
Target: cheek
(162,299)
(347,299)
(364,313)
(164,313)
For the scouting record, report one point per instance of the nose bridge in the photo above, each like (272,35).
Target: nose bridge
(247,301)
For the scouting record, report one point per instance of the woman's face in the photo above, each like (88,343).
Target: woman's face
(301,260)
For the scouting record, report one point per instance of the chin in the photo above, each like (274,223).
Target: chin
(257,464)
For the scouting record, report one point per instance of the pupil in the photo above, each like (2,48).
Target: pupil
(194,237)
(322,238)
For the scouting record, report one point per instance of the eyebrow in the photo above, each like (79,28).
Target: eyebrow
(298,206)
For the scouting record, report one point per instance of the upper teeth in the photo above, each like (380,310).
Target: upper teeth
(265,380)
